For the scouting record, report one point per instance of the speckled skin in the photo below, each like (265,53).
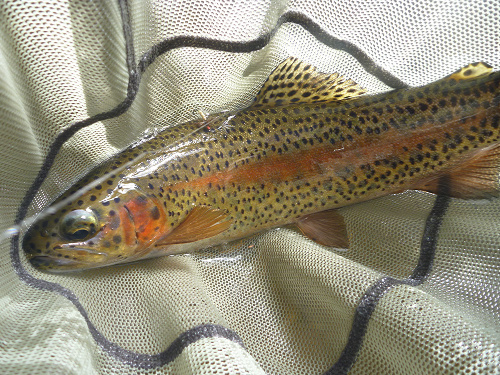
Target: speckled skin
(267,167)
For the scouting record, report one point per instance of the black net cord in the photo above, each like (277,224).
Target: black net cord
(370,299)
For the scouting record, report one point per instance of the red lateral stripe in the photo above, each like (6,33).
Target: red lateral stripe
(327,160)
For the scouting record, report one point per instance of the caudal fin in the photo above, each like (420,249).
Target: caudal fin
(476,177)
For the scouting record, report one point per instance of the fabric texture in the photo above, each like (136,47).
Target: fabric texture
(418,291)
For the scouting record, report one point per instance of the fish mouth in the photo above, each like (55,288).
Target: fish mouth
(46,262)
(64,263)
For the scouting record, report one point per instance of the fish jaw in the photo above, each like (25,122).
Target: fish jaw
(62,264)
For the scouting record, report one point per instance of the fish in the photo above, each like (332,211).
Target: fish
(309,144)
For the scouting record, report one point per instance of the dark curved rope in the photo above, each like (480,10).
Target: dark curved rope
(135,72)
(245,47)
(369,301)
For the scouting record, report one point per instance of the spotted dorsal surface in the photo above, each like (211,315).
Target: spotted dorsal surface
(294,82)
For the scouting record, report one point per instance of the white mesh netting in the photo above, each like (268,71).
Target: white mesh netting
(274,303)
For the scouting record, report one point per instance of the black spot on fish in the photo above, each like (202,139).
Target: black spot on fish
(117,239)
(410,110)
(155,213)
(423,106)
(495,122)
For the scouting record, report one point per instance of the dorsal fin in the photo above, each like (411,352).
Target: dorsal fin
(471,71)
(294,82)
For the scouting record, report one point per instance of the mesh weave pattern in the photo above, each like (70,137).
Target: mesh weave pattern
(274,303)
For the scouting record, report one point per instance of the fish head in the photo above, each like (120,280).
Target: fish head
(95,231)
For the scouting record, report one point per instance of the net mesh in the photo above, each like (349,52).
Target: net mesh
(274,303)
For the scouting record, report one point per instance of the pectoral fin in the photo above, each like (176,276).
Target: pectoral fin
(326,228)
(202,222)
(475,178)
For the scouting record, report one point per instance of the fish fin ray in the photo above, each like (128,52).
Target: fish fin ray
(475,178)
(294,82)
(326,228)
(473,70)
(201,222)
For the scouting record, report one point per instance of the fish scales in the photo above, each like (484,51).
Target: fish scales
(257,143)
(275,164)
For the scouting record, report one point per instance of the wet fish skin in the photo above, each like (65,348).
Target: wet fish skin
(278,162)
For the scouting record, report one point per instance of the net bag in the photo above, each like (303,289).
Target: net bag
(418,290)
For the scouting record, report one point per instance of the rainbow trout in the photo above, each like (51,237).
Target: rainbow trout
(308,145)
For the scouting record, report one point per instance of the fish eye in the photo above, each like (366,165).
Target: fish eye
(78,225)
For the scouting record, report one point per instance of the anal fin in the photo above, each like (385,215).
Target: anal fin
(475,178)
(326,228)
(202,222)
